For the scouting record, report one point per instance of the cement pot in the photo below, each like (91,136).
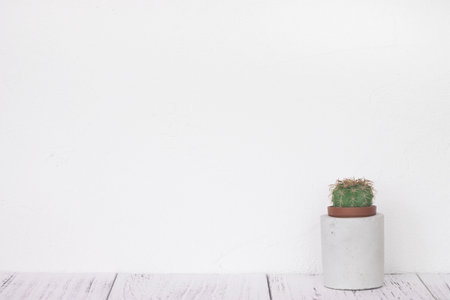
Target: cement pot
(353,252)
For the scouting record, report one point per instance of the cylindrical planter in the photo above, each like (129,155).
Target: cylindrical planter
(353,252)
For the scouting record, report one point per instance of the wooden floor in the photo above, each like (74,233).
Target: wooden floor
(238,286)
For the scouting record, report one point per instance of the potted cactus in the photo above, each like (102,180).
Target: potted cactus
(352,237)
(352,198)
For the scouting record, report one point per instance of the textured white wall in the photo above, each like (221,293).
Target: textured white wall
(201,136)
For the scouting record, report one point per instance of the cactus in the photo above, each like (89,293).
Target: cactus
(352,192)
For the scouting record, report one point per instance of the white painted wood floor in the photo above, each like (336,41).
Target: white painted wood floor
(199,287)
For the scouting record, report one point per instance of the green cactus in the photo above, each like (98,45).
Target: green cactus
(352,193)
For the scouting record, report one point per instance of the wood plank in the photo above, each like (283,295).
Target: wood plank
(296,286)
(58,286)
(5,279)
(437,284)
(194,286)
(300,286)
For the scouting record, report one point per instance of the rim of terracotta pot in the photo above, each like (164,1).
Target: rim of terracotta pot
(352,212)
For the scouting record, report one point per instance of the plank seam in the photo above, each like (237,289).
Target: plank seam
(432,295)
(7,282)
(268,286)
(112,286)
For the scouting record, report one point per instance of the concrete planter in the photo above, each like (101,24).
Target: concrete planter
(353,252)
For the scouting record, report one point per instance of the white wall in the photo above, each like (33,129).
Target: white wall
(201,136)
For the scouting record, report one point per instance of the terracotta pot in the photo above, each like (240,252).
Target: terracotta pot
(352,212)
